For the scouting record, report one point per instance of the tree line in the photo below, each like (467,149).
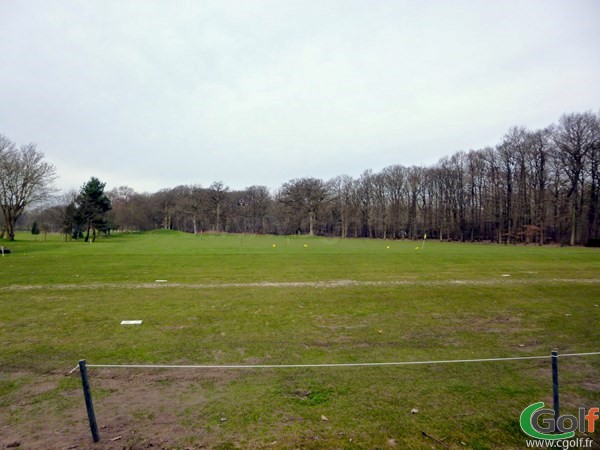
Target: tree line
(535,186)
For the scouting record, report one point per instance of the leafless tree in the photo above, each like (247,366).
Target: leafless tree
(306,196)
(25,179)
(164,207)
(340,188)
(218,193)
(395,179)
(576,138)
(195,201)
(415,186)
(257,200)
(541,148)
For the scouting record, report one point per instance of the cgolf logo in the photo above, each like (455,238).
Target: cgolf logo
(541,423)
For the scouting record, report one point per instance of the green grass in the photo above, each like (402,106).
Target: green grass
(63,301)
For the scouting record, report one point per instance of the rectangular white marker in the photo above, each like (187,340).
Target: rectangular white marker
(131,322)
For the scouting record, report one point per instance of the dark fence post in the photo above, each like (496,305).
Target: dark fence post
(87,394)
(555,384)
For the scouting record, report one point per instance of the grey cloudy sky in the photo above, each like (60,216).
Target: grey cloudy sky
(154,94)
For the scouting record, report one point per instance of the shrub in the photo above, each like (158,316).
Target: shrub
(35,229)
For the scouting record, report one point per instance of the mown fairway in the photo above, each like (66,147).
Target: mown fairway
(273,300)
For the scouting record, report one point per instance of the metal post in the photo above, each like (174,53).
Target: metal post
(555,384)
(87,394)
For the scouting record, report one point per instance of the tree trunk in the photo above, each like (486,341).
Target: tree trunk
(573,223)
(218,217)
(87,235)
(9,225)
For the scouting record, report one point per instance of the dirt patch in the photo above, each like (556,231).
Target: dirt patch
(135,410)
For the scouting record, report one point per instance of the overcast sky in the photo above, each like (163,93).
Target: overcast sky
(154,94)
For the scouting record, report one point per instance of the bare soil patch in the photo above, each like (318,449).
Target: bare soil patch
(135,410)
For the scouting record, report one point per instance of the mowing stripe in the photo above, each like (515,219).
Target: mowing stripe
(302,284)
(294,366)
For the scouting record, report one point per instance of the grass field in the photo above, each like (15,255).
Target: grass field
(235,299)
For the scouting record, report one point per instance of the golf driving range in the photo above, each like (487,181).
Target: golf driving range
(344,306)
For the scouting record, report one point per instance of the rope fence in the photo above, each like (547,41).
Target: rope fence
(82,366)
(301,366)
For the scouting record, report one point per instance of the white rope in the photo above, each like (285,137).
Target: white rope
(296,366)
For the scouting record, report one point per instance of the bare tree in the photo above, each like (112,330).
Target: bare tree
(218,193)
(121,214)
(415,186)
(395,179)
(307,196)
(380,205)
(341,189)
(25,180)
(593,175)
(576,137)
(541,147)
(366,201)
(195,200)
(257,200)
(164,205)
(476,185)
